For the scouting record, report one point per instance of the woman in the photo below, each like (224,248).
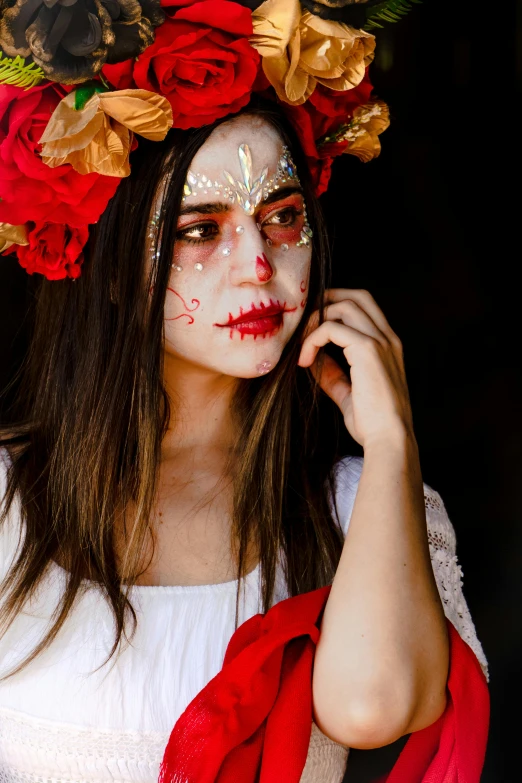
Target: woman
(173,471)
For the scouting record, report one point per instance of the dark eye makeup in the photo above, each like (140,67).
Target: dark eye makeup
(207,231)
(198,233)
(284,217)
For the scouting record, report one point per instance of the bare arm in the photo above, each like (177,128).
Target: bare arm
(381,663)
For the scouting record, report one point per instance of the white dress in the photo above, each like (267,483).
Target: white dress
(61,721)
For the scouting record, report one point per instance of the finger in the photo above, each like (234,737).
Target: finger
(367,303)
(332,380)
(348,312)
(329,332)
(351,314)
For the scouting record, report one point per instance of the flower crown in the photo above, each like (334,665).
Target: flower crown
(81,79)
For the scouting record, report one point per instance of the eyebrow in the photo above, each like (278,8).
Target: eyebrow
(206,209)
(217,207)
(281,193)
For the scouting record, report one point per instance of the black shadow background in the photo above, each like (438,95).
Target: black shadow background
(429,229)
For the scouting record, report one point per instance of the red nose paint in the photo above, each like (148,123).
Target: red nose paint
(263,269)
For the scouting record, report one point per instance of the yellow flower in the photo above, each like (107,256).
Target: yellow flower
(363,132)
(12,235)
(98,137)
(300,50)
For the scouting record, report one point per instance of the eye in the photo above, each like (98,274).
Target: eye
(199,232)
(285,217)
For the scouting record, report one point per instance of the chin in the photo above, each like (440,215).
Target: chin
(254,368)
(250,362)
(249,357)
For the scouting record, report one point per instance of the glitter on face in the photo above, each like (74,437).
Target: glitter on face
(306,233)
(269,242)
(284,247)
(226,251)
(247,192)
(152,234)
(237,282)
(264,367)
(177,267)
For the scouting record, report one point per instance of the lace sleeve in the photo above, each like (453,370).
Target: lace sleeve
(448,573)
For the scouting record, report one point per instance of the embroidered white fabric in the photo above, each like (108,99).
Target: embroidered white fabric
(67,718)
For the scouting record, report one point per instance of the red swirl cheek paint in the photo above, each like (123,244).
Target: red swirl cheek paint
(263,269)
(195,302)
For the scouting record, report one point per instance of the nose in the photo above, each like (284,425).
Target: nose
(249,263)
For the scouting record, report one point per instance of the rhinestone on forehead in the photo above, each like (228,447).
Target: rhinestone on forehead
(247,192)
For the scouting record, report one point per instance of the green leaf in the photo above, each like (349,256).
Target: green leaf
(388,11)
(16,72)
(85,92)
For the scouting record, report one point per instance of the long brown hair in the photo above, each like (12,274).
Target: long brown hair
(86,430)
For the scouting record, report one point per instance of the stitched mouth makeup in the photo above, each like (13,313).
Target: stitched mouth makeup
(262,320)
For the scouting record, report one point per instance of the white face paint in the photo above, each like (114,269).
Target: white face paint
(240,275)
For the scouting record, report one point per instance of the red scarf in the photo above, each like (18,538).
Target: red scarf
(251,723)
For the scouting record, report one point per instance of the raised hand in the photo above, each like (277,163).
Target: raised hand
(374,400)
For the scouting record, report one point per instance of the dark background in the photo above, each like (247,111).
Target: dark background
(429,229)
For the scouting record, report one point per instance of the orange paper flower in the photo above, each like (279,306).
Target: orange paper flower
(368,123)
(12,235)
(301,50)
(98,137)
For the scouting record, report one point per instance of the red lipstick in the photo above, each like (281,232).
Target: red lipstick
(263,319)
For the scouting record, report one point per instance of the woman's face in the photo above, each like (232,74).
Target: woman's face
(240,271)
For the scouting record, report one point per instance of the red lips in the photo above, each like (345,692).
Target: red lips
(261,319)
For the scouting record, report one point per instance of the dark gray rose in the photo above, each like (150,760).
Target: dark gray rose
(71,40)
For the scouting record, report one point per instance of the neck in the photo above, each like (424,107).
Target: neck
(201,417)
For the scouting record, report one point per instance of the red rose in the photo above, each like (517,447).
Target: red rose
(29,189)
(334,107)
(171,5)
(54,250)
(321,171)
(201,61)
(308,124)
(323,113)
